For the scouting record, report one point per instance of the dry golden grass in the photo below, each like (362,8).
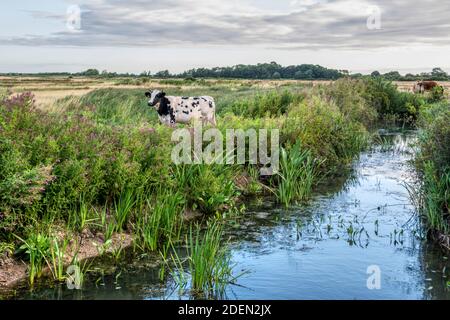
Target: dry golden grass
(48,90)
(409,85)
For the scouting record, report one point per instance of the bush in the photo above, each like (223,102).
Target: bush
(48,162)
(273,103)
(435,138)
(208,188)
(349,96)
(320,126)
(437,94)
(388,101)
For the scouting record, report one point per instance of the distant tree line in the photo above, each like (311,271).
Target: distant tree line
(436,74)
(267,71)
(270,71)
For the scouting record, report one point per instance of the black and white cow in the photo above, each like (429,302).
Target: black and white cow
(173,110)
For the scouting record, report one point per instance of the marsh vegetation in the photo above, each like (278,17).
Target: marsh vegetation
(97,166)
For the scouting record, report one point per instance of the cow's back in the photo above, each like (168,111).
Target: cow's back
(429,85)
(187,109)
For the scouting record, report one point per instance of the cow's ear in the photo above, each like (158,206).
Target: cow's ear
(163,94)
(148,94)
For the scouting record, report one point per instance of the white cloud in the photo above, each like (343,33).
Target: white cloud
(338,24)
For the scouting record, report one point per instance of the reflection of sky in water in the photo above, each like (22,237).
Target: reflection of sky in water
(370,222)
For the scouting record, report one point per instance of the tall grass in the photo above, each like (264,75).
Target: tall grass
(272,103)
(436,198)
(433,163)
(162,221)
(80,218)
(298,173)
(36,247)
(123,208)
(117,106)
(57,254)
(208,262)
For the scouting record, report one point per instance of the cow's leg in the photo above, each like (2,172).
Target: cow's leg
(212,120)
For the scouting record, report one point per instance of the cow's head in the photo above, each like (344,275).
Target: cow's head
(418,87)
(154,97)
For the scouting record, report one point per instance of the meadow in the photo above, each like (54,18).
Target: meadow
(85,160)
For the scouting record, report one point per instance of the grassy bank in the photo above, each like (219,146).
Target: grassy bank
(99,165)
(433,163)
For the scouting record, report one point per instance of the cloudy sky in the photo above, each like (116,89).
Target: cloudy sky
(137,35)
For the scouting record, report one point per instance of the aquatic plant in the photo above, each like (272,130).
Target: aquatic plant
(432,197)
(123,209)
(436,197)
(298,172)
(161,222)
(36,247)
(57,254)
(209,261)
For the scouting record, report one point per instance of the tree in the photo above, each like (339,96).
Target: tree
(298,75)
(270,70)
(393,76)
(375,74)
(90,73)
(163,74)
(439,74)
(145,74)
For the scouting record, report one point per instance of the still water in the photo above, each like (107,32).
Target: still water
(322,250)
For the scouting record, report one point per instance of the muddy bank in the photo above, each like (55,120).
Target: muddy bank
(84,246)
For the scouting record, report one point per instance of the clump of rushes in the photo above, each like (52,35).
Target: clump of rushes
(209,261)
(436,198)
(123,209)
(57,253)
(161,222)
(298,172)
(80,218)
